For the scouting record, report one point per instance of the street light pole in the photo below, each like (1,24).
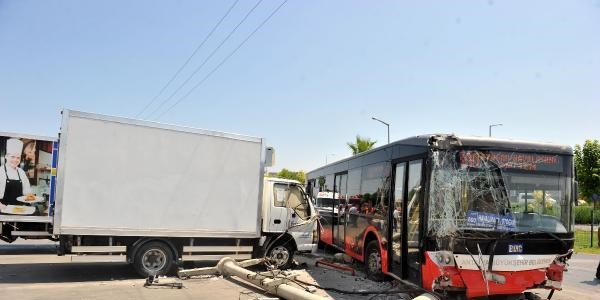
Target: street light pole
(386,124)
(490,128)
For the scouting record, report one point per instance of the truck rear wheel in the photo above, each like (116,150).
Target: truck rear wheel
(153,258)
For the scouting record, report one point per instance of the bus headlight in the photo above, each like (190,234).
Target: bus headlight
(444,258)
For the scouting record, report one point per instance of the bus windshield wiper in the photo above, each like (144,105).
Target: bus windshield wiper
(550,234)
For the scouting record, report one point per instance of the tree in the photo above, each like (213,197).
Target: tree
(361,145)
(587,163)
(287,174)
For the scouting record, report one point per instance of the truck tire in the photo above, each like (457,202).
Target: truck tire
(153,258)
(281,255)
(373,261)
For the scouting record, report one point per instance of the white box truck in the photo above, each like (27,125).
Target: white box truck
(151,194)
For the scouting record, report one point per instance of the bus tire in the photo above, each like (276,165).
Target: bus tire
(153,258)
(373,261)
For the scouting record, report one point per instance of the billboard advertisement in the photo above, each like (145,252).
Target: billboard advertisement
(27,177)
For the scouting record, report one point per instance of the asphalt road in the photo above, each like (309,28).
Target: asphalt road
(33,271)
(580,281)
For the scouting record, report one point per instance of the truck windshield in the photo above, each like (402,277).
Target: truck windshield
(500,191)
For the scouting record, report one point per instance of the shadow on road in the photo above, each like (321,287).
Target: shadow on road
(65,272)
(55,272)
(73,272)
(11,249)
(594,282)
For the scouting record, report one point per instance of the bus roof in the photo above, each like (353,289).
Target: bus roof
(422,141)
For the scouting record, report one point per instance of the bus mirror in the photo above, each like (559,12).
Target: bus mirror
(269,157)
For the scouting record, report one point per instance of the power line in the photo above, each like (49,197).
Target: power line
(207,58)
(224,60)
(189,58)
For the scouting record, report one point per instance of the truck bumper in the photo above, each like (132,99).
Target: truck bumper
(312,248)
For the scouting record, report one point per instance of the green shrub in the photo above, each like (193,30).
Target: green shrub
(583,214)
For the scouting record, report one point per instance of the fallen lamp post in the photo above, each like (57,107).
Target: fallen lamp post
(277,286)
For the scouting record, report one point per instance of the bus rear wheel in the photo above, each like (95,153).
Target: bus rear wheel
(373,261)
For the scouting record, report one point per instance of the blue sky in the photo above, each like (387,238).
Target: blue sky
(313,76)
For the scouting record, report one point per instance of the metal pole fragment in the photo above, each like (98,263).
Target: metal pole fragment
(228,266)
(197,272)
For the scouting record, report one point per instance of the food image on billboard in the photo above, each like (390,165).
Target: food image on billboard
(26,176)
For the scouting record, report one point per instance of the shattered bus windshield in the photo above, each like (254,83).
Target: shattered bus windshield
(499,191)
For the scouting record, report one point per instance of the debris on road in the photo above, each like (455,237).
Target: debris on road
(307,282)
(335,266)
(153,281)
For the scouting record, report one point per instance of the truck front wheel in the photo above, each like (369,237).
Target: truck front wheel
(153,258)
(281,255)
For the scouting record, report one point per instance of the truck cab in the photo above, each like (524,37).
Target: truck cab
(288,221)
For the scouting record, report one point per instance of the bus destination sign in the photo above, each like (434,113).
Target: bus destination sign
(511,160)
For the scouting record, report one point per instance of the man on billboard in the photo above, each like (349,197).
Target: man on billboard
(13,180)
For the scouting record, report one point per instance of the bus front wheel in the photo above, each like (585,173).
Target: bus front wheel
(373,261)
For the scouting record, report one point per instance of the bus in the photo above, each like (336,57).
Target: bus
(457,215)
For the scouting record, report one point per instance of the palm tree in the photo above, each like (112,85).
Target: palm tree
(361,145)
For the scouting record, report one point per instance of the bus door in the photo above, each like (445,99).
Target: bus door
(413,205)
(406,220)
(340,209)
(397,227)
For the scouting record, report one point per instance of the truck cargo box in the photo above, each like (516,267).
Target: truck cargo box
(124,177)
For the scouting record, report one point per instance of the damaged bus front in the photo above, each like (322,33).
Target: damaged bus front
(498,216)
(458,215)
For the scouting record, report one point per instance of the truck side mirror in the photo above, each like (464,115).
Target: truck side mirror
(269,157)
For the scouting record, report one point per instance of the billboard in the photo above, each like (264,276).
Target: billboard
(27,177)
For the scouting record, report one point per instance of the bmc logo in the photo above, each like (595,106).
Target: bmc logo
(515,248)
